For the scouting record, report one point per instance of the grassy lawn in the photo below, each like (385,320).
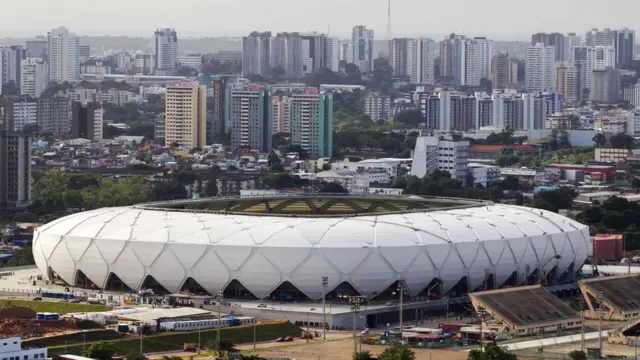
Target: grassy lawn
(170,341)
(53,307)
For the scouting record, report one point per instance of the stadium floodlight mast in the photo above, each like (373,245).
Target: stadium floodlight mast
(402,287)
(325,283)
(355,302)
(481,311)
(219,299)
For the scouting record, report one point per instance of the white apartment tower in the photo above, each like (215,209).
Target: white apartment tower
(482,53)
(377,106)
(571,40)
(34,77)
(165,50)
(413,59)
(431,154)
(286,53)
(63,47)
(25,112)
(590,58)
(539,68)
(256,54)
(361,48)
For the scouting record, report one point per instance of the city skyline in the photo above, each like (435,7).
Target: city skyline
(330,16)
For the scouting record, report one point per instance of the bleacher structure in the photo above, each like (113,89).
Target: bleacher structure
(526,310)
(618,295)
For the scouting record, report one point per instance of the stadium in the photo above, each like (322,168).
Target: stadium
(273,247)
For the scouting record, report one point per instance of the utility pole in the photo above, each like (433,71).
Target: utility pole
(219,299)
(600,318)
(582,325)
(481,313)
(355,302)
(325,282)
(401,289)
(308,327)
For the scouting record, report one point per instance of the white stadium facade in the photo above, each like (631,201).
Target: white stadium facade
(268,246)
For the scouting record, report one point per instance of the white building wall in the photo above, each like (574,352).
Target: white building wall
(64,63)
(98,122)
(332,53)
(11,348)
(34,78)
(539,68)
(431,153)
(362,56)
(24,113)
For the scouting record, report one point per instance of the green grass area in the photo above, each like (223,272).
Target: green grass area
(75,338)
(175,340)
(53,307)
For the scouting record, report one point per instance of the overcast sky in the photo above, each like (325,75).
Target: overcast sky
(499,19)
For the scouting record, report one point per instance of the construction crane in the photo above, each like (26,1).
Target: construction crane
(542,274)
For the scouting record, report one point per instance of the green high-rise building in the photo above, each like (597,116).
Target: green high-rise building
(311,116)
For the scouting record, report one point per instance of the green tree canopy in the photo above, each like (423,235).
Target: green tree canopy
(492,351)
(411,118)
(100,350)
(397,352)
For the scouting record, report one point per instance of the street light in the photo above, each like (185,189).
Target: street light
(481,313)
(402,286)
(325,283)
(219,299)
(355,302)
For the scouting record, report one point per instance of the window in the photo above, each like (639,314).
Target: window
(35,356)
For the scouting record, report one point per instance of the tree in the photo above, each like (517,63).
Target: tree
(100,351)
(599,140)
(397,352)
(273,159)
(26,217)
(276,168)
(362,355)
(411,118)
(492,351)
(382,79)
(211,189)
(554,200)
(332,187)
(578,355)
(511,183)
(137,356)
(621,141)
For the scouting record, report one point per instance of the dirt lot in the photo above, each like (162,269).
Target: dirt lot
(343,350)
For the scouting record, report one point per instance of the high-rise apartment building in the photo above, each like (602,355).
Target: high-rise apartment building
(539,68)
(311,116)
(34,77)
(377,106)
(432,153)
(36,48)
(556,40)
(596,37)
(165,51)
(313,52)
(280,115)
(514,64)
(625,48)
(12,64)
(87,120)
(25,112)
(332,53)
(589,58)
(500,71)
(482,57)
(287,54)
(249,118)
(632,95)
(571,40)
(64,64)
(361,48)
(15,171)
(256,53)
(84,53)
(186,114)
(345,53)
(54,115)
(413,59)
(569,82)
(465,60)
(605,85)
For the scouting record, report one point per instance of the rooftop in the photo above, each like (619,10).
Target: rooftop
(621,292)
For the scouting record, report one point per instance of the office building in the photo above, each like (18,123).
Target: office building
(63,48)
(15,193)
(87,121)
(589,58)
(311,116)
(34,77)
(54,115)
(165,51)
(596,37)
(248,116)
(570,41)
(556,40)
(500,77)
(539,68)
(186,115)
(25,112)
(12,64)
(287,54)
(332,53)
(256,53)
(361,48)
(313,52)
(84,53)
(144,63)
(433,153)
(36,48)
(378,107)
(605,86)
(625,48)
(569,82)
